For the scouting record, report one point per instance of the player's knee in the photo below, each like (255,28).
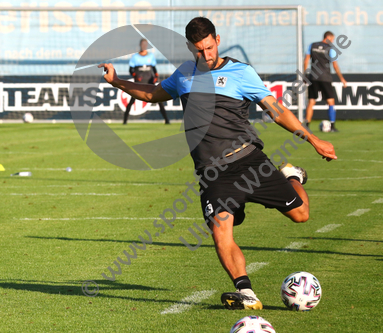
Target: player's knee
(301,217)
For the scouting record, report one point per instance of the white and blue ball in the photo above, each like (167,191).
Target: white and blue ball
(325,126)
(253,324)
(301,291)
(28,118)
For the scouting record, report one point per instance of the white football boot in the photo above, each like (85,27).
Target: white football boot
(289,170)
(241,299)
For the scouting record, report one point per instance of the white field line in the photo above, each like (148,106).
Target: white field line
(360,160)
(293,246)
(362,150)
(328,228)
(348,178)
(63,194)
(90,185)
(76,169)
(98,218)
(378,201)
(359,212)
(255,266)
(317,169)
(339,160)
(187,302)
(334,195)
(343,195)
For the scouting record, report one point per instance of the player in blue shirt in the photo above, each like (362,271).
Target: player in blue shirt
(228,154)
(321,55)
(142,66)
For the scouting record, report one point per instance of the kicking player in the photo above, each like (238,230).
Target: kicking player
(236,84)
(321,56)
(142,66)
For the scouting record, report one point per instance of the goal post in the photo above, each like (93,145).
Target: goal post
(43,44)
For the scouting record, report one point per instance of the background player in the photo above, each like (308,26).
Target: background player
(236,85)
(143,69)
(320,76)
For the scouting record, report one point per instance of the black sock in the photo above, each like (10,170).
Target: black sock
(243,282)
(332,125)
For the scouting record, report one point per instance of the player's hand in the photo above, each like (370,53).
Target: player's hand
(111,75)
(325,149)
(344,83)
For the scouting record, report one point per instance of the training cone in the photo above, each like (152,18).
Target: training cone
(2,168)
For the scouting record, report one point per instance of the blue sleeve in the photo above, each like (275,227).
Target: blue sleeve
(154,61)
(252,86)
(132,61)
(308,50)
(170,85)
(332,55)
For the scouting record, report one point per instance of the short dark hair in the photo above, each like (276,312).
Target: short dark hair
(199,28)
(143,40)
(327,34)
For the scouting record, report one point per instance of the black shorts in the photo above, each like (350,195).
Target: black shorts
(324,87)
(252,178)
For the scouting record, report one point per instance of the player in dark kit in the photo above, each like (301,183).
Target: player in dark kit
(142,66)
(322,55)
(229,159)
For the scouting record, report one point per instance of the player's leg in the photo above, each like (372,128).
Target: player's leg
(297,177)
(310,110)
(332,113)
(127,111)
(229,253)
(301,213)
(328,94)
(233,261)
(313,95)
(163,113)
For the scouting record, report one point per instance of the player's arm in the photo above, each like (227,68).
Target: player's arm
(144,92)
(286,119)
(306,63)
(337,71)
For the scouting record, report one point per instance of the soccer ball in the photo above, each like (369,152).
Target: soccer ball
(301,291)
(28,117)
(325,126)
(252,324)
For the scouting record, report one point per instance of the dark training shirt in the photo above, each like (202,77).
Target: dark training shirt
(216,107)
(321,53)
(144,67)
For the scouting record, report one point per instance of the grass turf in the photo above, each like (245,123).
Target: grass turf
(59,229)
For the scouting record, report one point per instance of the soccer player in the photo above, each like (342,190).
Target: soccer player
(224,196)
(142,66)
(322,55)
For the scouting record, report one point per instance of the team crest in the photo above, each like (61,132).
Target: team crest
(221,81)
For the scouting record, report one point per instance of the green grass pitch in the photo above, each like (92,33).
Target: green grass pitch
(59,229)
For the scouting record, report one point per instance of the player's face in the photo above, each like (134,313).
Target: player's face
(144,45)
(208,49)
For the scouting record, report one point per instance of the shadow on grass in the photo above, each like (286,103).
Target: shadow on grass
(341,239)
(73,288)
(248,248)
(265,307)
